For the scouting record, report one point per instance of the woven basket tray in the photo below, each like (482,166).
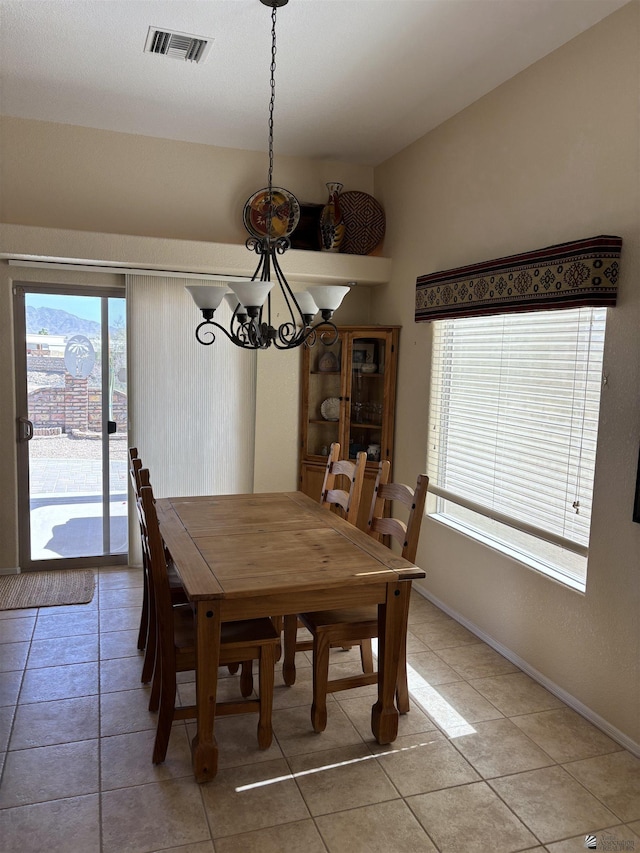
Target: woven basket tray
(364,222)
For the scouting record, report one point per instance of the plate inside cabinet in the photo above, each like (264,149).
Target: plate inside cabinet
(284,216)
(364,221)
(330,409)
(328,363)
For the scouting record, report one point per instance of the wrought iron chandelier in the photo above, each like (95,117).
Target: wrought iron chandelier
(250,298)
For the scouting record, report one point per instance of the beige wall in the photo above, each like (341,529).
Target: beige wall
(550,156)
(61,182)
(62,176)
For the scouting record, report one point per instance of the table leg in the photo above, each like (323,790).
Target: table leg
(384,714)
(402,687)
(204,749)
(289,642)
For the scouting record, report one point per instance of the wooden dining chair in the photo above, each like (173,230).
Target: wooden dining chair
(151,670)
(342,492)
(241,641)
(147,629)
(342,486)
(135,465)
(358,626)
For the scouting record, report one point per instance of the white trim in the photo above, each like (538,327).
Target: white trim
(542,568)
(51,265)
(522,526)
(152,255)
(9,571)
(578,706)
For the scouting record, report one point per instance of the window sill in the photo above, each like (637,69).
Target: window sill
(527,560)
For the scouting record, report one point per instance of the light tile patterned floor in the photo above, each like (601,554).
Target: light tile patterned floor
(487,760)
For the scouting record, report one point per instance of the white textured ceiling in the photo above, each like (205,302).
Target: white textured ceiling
(356,80)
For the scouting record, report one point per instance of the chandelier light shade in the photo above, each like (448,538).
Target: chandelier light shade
(328,297)
(208,297)
(250,298)
(306,303)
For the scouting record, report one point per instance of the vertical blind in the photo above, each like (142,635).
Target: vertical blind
(513,418)
(192,408)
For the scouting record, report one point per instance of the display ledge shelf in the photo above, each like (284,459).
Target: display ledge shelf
(355,425)
(321,460)
(195,259)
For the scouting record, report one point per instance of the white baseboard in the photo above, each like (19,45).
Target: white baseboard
(9,571)
(567,698)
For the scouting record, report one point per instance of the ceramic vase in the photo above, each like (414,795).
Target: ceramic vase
(331,222)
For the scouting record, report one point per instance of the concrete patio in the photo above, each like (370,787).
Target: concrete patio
(66,499)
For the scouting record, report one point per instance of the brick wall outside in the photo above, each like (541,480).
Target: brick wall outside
(46,407)
(74,407)
(76,403)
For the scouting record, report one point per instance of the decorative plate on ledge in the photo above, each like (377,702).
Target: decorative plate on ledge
(284,217)
(330,409)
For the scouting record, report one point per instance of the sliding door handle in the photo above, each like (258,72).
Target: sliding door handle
(25,429)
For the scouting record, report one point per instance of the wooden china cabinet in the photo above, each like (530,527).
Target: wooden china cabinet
(348,395)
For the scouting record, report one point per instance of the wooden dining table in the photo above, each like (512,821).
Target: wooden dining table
(253,555)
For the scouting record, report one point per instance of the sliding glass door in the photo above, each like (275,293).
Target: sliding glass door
(72,426)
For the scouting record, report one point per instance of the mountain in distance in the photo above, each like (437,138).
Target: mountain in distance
(58,322)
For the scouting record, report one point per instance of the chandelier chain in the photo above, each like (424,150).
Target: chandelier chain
(272,101)
(251,327)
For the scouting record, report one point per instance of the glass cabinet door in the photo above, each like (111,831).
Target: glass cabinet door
(325,404)
(367,411)
(348,396)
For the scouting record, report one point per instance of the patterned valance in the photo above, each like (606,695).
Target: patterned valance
(569,275)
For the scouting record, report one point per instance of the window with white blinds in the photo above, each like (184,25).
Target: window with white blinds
(513,422)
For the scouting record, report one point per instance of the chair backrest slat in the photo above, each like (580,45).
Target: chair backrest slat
(407,535)
(347,499)
(152,541)
(135,464)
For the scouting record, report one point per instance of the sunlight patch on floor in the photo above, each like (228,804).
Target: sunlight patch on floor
(441,712)
(425,697)
(324,767)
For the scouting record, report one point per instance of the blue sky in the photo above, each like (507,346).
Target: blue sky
(87,307)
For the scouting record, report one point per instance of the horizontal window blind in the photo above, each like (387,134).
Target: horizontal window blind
(513,418)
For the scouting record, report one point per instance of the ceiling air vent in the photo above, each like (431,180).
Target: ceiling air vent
(177,45)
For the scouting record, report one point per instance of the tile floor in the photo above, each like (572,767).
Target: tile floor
(487,760)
